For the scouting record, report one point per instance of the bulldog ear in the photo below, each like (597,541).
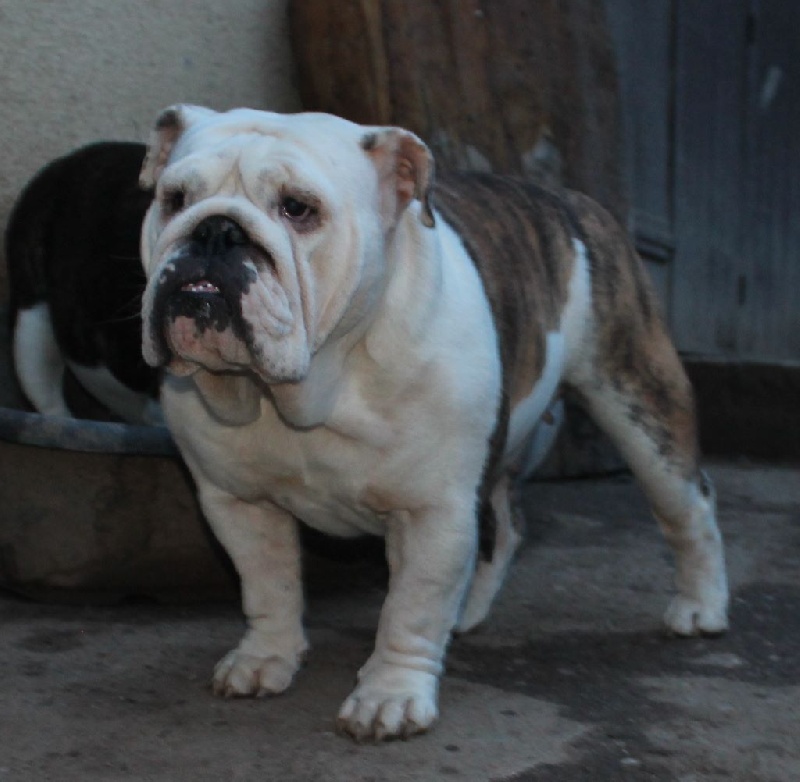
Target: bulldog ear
(405,169)
(171,123)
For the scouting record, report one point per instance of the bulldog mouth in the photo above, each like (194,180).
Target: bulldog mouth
(203,302)
(201,286)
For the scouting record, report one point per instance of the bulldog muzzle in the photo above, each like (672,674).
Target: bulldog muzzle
(205,282)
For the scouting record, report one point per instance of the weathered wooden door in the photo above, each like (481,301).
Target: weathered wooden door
(768,324)
(711,103)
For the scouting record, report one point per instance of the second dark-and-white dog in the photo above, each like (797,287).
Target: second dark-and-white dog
(353,345)
(76,282)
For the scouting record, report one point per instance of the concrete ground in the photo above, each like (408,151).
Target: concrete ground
(570,680)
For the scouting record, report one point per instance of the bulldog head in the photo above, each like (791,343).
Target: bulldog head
(266,236)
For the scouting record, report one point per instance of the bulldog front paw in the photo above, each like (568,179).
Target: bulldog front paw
(687,616)
(239,674)
(390,703)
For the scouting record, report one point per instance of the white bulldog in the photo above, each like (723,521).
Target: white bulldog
(352,346)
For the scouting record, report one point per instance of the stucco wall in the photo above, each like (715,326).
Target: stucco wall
(77,71)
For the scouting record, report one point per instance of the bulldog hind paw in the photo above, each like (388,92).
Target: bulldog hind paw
(239,675)
(398,707)
(688,616)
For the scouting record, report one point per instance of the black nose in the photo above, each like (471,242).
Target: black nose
(218,234)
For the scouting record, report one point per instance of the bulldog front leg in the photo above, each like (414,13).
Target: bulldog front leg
(431,558)
(262,541)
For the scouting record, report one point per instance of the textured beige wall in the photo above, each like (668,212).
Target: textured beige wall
(75,71)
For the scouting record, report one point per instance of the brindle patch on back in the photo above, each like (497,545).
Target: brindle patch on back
(520,238)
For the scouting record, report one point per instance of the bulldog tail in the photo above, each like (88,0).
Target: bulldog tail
(38,361)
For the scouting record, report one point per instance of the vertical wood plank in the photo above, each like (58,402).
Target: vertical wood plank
(769,305)
(709,140)
(642,32)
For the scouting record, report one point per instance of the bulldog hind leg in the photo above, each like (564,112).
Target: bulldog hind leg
(650,417)
(490,573)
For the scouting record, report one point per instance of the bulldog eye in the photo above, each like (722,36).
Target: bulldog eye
(296,210)
(173,201)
